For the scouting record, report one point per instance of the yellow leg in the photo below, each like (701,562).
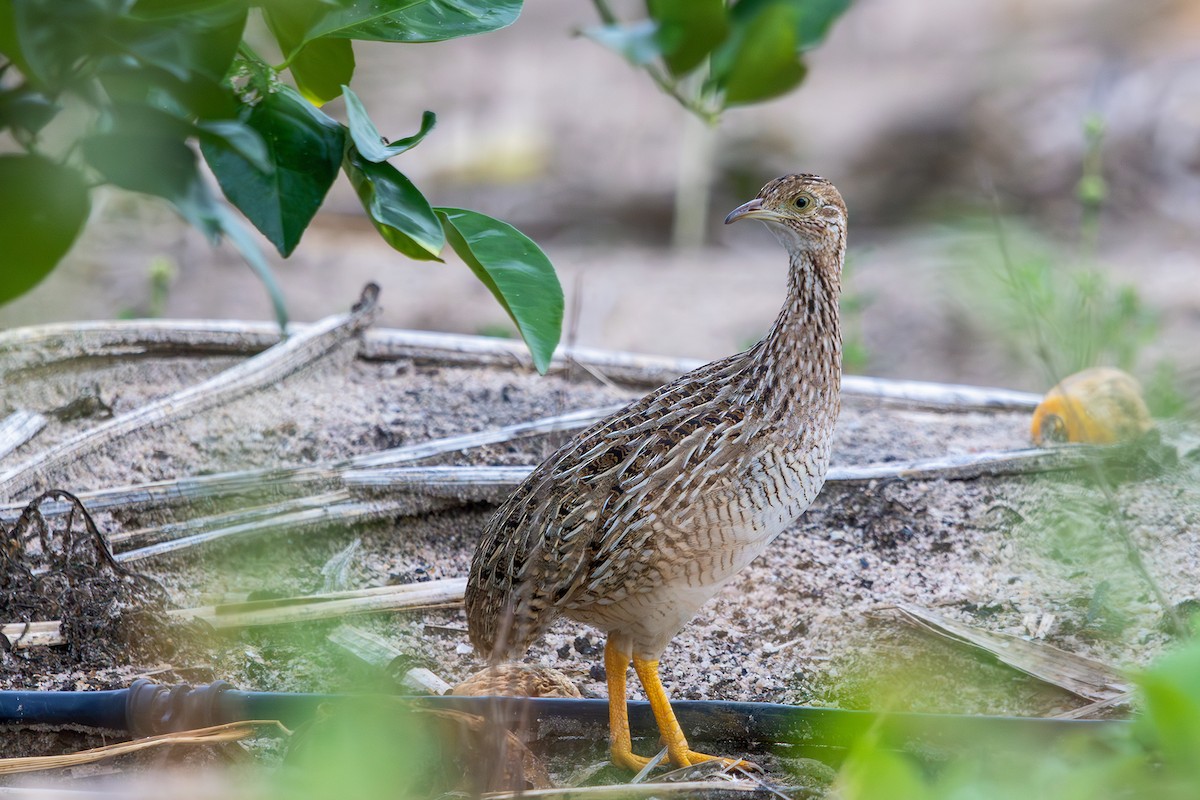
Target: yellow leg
(616,664)
(672,735)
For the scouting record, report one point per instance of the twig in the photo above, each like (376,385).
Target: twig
(18,428)
(1085,677)
(40,345)
(1084,712)
(34,634)
(437,481)
(447,592)
(191,489)
(369,648)
(258,482)
(255,373)
(458,481)
(429,488)
(407,597)
(343,513)
(572,420)
(229,732)
(243,516)
(488,484)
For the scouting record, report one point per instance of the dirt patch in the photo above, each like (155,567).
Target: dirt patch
(802,624)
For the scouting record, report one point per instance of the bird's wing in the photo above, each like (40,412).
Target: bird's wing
(579,524)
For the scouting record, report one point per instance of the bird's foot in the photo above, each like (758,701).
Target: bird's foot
(694,758)
(627,759)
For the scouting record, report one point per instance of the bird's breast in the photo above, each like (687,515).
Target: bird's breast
(740,513)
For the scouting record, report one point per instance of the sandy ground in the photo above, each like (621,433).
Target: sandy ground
(802,624)
(904,124)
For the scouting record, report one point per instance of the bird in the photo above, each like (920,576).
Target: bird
(637,521)
(1099,405)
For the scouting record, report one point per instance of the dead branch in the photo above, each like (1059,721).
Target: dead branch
(255,373)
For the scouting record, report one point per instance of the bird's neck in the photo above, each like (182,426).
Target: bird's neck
(800,363)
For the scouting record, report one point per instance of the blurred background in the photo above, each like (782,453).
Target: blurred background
(1023,179)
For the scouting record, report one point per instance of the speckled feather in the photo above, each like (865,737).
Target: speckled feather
(639,519)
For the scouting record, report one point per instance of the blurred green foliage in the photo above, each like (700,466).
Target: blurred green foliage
(1061,311)
(96,92)
(160,274)
(711,55)
(1153,758)
(1053,314)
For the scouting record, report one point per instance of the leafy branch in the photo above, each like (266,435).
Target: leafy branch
(153,78)
(709,56)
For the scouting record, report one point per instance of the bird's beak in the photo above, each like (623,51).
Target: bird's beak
(752,209)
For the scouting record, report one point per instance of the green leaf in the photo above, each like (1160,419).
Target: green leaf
(57,39)
(411,20)
(305,148)
(239,138)
(637,43)
(43,207)
(516,271)
(180,37)
(25,109)
(10,44)
(196,95)
(157,164)
(872,772)
(688,31)
(761,60)
(141,119)
(811,19)
(398,210)
(322,67)
(319,68)
(366,136)
(1171,718)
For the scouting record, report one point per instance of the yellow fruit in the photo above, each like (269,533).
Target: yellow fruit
(1100,405)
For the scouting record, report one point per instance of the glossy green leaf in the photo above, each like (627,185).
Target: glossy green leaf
(319,68)
(156,164)
(761,60)
(688,30)
(60,41)
(516,271)
(182,38)
(25,109)
(141,119)
(366,136)
(411,20)
(811,19)
(238,138)
(305,148)
(637,43)
(10,44)
(398,210)
(322,67)
(196,95)
(43,207)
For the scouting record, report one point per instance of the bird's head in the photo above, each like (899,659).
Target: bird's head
(805,212)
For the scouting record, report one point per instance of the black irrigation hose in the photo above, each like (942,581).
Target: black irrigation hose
(148,708)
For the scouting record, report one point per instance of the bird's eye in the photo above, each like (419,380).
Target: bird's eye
(802,202)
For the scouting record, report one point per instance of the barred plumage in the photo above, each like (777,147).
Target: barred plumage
(638,520)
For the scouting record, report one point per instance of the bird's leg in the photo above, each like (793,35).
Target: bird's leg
(672,735)
(616,664)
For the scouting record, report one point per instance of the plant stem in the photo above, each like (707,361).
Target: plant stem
(709,115)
